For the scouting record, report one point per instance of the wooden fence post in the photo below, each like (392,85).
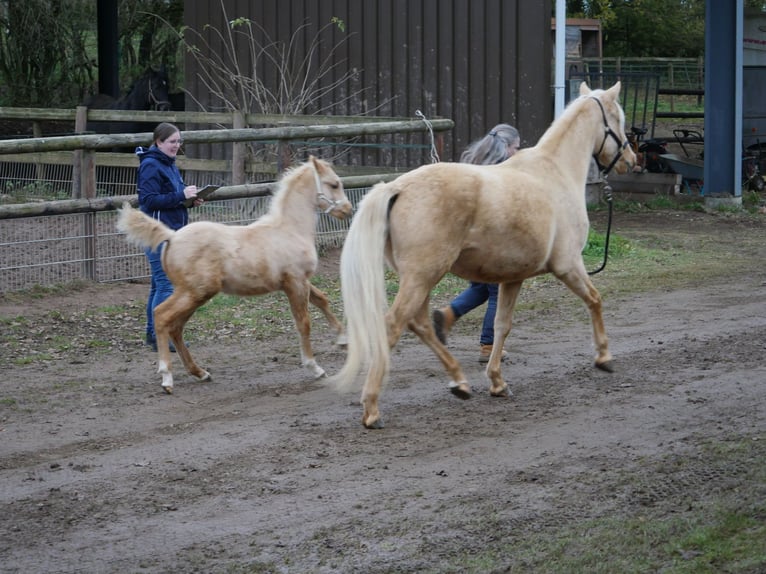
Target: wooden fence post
(80,125)
(238,152)
(88,171)
(37,132)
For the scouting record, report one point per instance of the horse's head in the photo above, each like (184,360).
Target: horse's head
(150,92)
(159,90)
(331,198)
(613,151)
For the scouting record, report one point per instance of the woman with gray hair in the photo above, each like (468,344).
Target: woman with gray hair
(498,145)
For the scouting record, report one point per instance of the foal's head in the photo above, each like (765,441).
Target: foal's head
(331,198)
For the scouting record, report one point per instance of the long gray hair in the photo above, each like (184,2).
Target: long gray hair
(493,147)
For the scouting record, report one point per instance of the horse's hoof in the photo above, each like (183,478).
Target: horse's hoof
(504,393)
(342,341)
(206,378)
(168,390)
(607,366)
(462,391)
(320,375)
(374,425)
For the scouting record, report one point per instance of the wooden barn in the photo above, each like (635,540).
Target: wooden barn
(478,62)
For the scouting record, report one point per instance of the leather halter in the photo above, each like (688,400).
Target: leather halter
(332,203)
(609,132)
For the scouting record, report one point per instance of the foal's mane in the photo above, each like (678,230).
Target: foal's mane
(286,183)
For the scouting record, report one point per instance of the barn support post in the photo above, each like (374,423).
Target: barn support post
(239,150)
(723,102)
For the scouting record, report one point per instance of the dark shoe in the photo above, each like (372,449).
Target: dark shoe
(443,319)
(485,352)
(152,342)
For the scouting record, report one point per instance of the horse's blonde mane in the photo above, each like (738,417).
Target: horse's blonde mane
(564,122)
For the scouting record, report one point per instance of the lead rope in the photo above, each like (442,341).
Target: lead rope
(608,198)
(434,154)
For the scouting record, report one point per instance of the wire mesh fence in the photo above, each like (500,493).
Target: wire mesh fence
(59,249)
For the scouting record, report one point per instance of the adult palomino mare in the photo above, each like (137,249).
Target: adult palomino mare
(493,224)
(276,252)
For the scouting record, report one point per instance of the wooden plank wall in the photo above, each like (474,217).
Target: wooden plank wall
(478,62)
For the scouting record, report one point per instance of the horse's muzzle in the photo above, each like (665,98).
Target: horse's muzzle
(343,210)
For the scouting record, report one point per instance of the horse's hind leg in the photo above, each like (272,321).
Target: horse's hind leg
(170,317)
(298,294)
(319,300)
(580,284)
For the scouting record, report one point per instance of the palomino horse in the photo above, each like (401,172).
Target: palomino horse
(276,252)
(495,224)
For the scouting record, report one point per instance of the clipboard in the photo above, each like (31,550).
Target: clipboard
(201,194)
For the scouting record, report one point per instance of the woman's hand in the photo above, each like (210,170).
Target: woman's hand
(191,192)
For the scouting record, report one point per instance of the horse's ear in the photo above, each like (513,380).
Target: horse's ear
(584,89)
(614,91)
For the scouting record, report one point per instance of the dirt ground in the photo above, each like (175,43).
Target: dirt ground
(265,470)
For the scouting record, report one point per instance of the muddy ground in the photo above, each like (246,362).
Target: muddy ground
(265,470)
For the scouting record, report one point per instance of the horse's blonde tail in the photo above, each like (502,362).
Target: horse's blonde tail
(362,276)
(142,229)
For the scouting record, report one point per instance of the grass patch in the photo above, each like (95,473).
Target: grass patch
(721,529)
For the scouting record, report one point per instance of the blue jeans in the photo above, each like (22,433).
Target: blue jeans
(161,288)
(475,295)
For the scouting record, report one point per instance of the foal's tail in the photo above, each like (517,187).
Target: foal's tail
(142,229)
(362,277)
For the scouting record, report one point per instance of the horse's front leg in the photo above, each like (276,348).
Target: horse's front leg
(506,301)
(170,317)
(580,284)
(422,326)
(319,300)
(298,294)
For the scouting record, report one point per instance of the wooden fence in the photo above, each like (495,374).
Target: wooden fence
(79,150)
(59,241)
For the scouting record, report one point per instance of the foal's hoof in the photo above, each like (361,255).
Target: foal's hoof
(460,390)
(168,390)
(607,366)
(206,378)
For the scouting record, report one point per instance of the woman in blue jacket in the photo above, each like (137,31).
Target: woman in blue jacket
(161,195)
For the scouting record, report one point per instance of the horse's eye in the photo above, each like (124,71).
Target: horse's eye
(335,185)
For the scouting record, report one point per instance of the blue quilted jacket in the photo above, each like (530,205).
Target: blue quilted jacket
(160,187)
